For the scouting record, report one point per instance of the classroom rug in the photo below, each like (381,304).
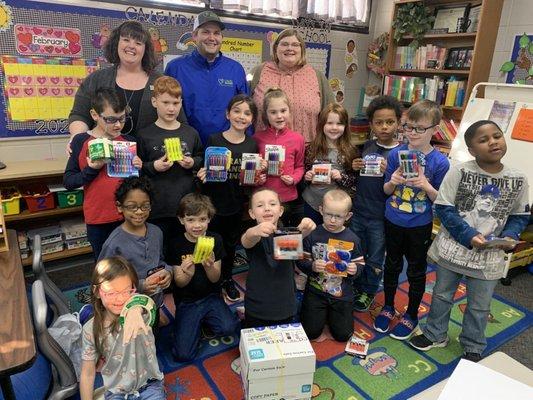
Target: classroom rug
(392,369)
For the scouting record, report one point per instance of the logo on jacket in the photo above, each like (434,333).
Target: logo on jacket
(225,82)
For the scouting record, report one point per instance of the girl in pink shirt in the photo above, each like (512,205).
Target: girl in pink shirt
(283,150)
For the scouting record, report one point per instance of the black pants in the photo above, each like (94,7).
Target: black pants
(229,227)
(253,322)
(317,309)
(413,243)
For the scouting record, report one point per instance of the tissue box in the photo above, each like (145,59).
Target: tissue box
(276,362)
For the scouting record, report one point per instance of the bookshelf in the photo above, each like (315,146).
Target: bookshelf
(481,42)
(4,243)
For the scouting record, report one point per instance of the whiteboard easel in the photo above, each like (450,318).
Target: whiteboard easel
(519,152)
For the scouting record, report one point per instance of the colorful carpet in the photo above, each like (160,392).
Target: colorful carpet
(392,369)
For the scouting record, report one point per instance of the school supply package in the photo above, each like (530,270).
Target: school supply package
(250,169)
(322,173)
(101,149)
(203,249)
(173,149)
(357,347)
(217,164)
(275,156)
(372,165)
(337,255)
(121,165)
(140,300)
(409,163)
(288,244)
(277,362)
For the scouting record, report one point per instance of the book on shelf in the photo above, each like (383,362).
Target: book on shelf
(425,57)
(446,132)
(448,92)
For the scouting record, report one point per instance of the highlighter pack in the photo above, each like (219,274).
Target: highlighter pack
(203,249)
(173,149)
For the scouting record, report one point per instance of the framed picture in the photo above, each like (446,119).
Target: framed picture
(473,17)
(459,58)
(451,17)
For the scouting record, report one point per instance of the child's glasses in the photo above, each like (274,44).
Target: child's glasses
(113,120)
(126,293)
(418,129)
(135,207)
(332,217)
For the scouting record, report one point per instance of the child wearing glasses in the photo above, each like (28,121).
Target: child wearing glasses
(114,347)
(99,210)
(412,179)
(171,179)
(368,220)
(137,241)
(328,295)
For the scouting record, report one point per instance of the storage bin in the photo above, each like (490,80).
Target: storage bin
(10,200)
(69,198)
(38,197)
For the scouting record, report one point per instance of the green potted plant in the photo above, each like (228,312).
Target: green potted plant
(412,19)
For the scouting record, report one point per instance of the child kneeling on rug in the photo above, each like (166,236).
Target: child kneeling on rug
(329,295)
(478,201)
(197,294)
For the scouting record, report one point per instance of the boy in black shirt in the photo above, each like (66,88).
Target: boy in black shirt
(197,293)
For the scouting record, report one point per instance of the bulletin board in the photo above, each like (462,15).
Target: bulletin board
(47,49)
(511,107)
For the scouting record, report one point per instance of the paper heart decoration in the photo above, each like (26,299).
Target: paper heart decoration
(49,31)
(20,28)
(34,47)
(13,79)
(72,37)
(58,50)
(24,38)
(43,91)
(49,49)
(41,79)
(68,80)
(65,50)
(22,48)
(14,91)
(37,31)
(55,91)
(58,33)
(28,91)
(79,80)
(69,91)
(74,47)
(55,80)
(26,79)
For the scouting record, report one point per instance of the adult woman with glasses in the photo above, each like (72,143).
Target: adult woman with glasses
(132,73)
(307,89)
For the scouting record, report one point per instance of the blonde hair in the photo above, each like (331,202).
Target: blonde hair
(288,33)
(273,93)
(425,109)
(106,270)
(337,196)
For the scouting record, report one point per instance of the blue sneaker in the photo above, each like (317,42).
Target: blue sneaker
(382,321)
(404,328)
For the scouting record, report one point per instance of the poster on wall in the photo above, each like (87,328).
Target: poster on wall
(47,49)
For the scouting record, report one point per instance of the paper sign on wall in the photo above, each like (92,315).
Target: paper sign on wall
(246,51)
(523,127)
(47,40)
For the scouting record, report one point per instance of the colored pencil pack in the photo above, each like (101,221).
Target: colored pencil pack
(217,164)
(409,163)
(121,166)
(288,244)
(372,165)
(275,156)
(101,149)
(250,169)
(322,173)
(173,149)
(203,249)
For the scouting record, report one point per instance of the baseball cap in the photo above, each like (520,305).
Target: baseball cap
(207,16)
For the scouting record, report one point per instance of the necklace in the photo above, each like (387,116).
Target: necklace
(128,99)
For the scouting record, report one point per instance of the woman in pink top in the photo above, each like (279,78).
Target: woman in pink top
(307,89)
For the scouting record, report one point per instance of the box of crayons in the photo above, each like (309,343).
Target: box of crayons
(250,169)
(217,164)
(321,173)
(275,156)
(122,165)
(173,149)
(409,163)
(101,149)
(288,244)
(203,249)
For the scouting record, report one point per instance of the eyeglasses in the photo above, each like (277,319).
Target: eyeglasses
(287,44)
(126,293)
(113,120)
(332,217)
(135,207)
(388,122)
(418,129)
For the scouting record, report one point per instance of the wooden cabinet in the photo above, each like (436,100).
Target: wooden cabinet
(482,41)
(39,171)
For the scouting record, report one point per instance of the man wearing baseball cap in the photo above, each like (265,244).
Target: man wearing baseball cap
(208,79)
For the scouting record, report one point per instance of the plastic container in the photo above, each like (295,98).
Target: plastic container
(10,200)
(69,198)
(38,197)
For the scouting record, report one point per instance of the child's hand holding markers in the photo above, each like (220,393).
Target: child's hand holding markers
(351,268)
(383,165)
(264,229)
(187,266)
(209,262)
(201,174)
(187,162)
(160,279)
(261,180)
(397,177)
(162,164)
(309,175)
(358,164)
(95,164)
(263,165)
(137,162)
(319,266)
(287,180)
(420,182)
(336,175)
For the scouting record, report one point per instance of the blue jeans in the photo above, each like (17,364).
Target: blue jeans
(478,297)
(210,310)
(153,390)
(372,235)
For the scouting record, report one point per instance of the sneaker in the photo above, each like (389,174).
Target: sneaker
(382,321)
(404,328)
(422,343)
(239,260)
(474,357)
(230,291)
(362,301)
(206,332)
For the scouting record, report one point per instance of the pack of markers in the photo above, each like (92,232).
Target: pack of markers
(173,149)
(288,244)
(372,165)
(409,163)
(217,164)
(121,166)
(250,169)
(321,173)
(275,157)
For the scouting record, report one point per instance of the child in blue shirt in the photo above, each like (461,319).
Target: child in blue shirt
(408,214)
(384,114)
